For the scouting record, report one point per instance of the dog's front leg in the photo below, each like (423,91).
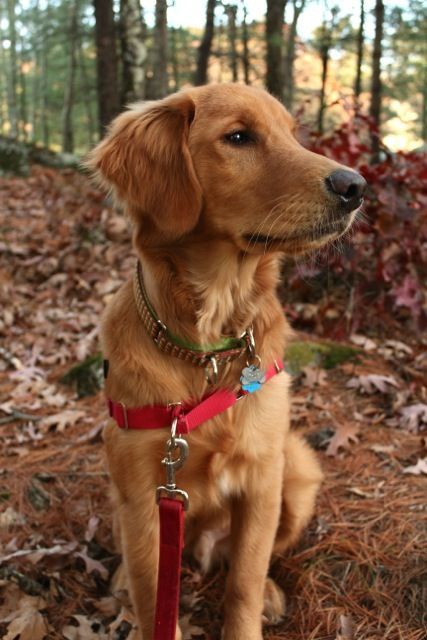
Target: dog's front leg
(254,521)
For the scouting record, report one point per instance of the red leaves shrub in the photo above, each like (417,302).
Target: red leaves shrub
(383,263)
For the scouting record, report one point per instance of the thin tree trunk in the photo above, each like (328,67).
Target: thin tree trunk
(360,44)
(174,57)
(245,42)
(376,85)
(12,93)
(288,77)
(44,77)
(274,35)
(231,11)
(158,85)
(324,55)
(106,58)
(204,51)
(424,106)
(69,93)
(23,112)
(87,94)
(134,51)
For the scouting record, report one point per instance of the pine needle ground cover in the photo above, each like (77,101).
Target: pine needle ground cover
(359,572)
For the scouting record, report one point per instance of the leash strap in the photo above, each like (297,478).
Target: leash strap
(171,545)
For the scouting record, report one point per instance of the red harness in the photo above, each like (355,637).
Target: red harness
(184,417)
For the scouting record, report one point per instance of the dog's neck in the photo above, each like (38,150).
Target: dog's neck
(209,289)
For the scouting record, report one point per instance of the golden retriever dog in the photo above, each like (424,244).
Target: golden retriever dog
(218,190)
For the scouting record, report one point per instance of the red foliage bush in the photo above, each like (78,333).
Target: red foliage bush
(383,262)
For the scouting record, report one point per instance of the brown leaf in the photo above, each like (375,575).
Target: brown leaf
(345,628)
(66,418)
(27,622)
(372,382)
(344,436)
(86,630)
(189,630)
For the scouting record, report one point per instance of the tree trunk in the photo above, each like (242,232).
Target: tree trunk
(23,111)
(134,51)
(360,43)
(274,35)
(87,94)
(325,45)
(424,106)
(12,93)
(174,57)
(245,42)
(69,93)
(44,79)
(158,84)
(106,58)
(204,51)
(231,11)
(288,76)
(376,85)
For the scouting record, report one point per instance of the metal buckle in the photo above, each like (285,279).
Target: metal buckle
(125,415)
(161,328)
(172,465)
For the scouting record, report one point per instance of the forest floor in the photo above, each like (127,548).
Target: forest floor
(359,572)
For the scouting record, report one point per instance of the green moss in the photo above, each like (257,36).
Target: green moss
(87,376)
(328,355)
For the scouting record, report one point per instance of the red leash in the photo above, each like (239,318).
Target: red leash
(173,501)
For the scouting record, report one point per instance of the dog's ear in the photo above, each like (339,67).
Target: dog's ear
(145,158)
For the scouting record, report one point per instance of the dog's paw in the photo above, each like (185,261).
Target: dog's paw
(274,603)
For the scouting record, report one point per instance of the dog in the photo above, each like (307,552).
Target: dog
(218,190)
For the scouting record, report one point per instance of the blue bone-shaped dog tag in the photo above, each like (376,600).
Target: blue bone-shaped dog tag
(252,378)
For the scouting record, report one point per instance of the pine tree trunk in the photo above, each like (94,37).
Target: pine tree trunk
(424,106)
(67,110)
(274,35)
(325,47)
(23,111)
(106,58)
(158,85)
(12,92)
(44,78)
(87,94)
(134,51)
(360,44)
(231,11)
(204,51)
(376,85)
(288,76)
(245,42)
(174,57)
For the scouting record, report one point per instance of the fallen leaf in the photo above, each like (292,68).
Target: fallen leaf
(11,518)
(344,436)
(85,630)
(362,341)
(27,623)
(189,630)
(92,565)
(372,382)
(414,417)
(314,376)
(417,469)
(345,628)
(62,420)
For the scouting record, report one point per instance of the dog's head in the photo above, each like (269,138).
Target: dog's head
(223,159)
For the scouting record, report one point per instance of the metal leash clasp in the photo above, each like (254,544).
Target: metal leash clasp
(176,454)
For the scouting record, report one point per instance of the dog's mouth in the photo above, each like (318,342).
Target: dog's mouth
(311,236)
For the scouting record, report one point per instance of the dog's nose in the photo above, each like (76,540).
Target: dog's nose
(349,186)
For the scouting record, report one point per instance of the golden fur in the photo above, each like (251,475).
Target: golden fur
(200,206)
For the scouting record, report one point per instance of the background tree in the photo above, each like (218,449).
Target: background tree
(107,68)
(69,93)
(274,37)
(245,43)
(376,85)
(13,79)
(231,12)
(157,84)
(288,72)
(205,46)
(133,51)
(326,35)
(360,47)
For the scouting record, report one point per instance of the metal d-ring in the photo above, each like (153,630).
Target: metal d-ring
(212,378)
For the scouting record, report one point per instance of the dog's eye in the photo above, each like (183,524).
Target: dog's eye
(239,138)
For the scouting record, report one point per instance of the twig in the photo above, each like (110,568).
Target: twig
(19,415)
